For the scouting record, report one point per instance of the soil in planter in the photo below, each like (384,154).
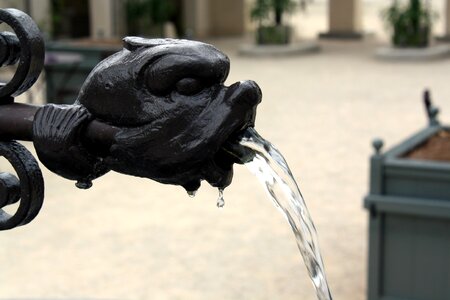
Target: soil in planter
(436,147)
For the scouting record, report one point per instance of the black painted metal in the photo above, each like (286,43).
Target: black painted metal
(431,110)
(157,109)
(31,59)
(31,186)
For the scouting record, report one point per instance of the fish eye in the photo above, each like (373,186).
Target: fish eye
(189,86)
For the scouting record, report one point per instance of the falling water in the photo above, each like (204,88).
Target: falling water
(267,163)
(220,200)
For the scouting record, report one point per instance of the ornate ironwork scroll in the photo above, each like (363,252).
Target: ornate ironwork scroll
(26,49)
(28,188)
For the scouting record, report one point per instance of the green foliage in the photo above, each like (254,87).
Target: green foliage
(273,35)
(264,10)
(56,17)
(260,10)
(410,23)
(144,14)
(269,15)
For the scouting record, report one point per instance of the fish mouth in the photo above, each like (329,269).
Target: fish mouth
(235,151)
(231,111)
(244,96)
(242,99)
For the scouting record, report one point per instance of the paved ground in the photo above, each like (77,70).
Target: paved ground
(130,238)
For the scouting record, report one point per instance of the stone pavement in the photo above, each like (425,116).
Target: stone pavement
(131,238)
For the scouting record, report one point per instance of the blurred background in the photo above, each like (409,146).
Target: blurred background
(326,94)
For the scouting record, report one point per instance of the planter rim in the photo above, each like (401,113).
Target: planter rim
(408,206)
(417,164)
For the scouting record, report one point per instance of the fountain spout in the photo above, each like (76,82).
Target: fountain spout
(157,109)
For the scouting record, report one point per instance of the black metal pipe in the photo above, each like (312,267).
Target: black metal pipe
(16,123)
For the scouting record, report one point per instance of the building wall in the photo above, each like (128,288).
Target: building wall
(227,17)
(345,15)
(108,19)
(100,15)
(40,12)
(206,18)
(19,4)
(202,18)
(37,9)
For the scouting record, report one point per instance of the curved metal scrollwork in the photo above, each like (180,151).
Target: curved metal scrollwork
(29,188)
(26,47)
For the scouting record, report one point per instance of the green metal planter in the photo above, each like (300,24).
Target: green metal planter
(69,63)
(409,223)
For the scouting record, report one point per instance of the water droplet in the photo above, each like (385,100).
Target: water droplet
(220,200)
(83,184)
(192,193)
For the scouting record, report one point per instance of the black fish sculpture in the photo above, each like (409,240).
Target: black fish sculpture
(157,109)
(172,111)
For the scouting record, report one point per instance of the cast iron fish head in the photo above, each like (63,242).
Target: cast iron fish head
(174,112)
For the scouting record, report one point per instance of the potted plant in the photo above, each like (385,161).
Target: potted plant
(409,220)
(410,23)
(269,15)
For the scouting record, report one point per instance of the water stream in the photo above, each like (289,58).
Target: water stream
(267,163)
